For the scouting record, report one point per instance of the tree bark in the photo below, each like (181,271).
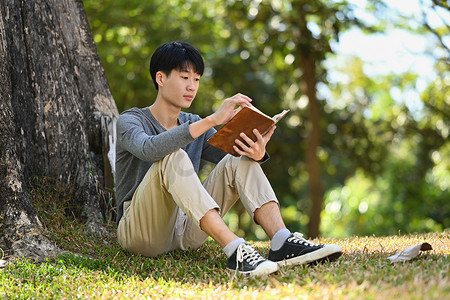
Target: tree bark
(312,160)
(306,53)
(56,116)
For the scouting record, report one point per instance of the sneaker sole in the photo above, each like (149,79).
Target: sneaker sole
(327,253)
(265,268)
(330,257)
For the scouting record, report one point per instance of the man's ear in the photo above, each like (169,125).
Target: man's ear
(160,78)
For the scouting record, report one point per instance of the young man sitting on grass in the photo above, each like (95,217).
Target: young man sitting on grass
(162,204)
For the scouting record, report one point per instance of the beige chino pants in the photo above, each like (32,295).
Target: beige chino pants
(165,211)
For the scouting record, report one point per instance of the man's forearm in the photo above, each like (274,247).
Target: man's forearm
(198,128)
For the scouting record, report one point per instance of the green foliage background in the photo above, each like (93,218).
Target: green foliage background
(385,166)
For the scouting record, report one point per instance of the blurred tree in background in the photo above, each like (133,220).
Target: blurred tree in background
(402,150)
(378,164)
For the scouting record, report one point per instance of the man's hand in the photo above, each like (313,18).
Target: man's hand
(254,150)
(226,111)
(224,114)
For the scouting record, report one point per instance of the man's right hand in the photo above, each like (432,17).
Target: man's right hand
(227,110)
(224,114)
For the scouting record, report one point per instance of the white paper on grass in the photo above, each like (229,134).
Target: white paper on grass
(409,253)
(3,263)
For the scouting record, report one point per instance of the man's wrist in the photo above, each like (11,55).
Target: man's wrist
(201,126)
(210,121)
(264,158)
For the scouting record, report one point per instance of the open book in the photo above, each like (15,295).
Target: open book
(245,120)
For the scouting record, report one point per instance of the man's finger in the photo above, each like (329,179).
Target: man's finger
(248,140)
(242,145)
(269,133)
(257,134)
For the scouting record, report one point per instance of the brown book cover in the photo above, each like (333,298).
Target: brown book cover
(245,120)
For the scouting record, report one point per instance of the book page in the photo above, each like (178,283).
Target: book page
(278,117)
(258,111)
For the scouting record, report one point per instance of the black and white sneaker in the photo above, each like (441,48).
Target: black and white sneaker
(247,261)
(296,250)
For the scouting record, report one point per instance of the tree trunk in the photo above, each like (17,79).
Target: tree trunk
(312,160)
(306,53)
(56,116)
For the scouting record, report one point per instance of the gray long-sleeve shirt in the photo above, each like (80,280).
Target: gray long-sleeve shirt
(142,140)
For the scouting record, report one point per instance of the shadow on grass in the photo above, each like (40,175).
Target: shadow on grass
(365,259)
(204,264)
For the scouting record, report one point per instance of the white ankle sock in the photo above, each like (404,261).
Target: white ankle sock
(279,238)
(232,246)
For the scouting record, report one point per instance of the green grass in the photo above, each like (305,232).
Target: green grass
(96,268)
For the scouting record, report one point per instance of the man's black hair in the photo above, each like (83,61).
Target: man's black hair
(175,55)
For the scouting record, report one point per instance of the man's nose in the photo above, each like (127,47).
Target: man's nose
(191,85)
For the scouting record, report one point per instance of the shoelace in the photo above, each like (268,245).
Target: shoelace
(246,252)
(298,238)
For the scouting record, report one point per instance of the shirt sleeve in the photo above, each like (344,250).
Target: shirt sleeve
(145,143)
(211,153)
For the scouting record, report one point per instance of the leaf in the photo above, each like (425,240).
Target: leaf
(409,253)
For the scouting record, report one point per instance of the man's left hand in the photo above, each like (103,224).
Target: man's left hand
(254,149)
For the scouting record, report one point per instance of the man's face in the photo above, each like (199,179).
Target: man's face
(180,87)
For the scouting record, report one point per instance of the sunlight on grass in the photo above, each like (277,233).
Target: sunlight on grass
(95,267)
(362,272)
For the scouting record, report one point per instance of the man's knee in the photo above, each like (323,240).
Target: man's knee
(179,162)
(248,166)
(179,154)
(175,157)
